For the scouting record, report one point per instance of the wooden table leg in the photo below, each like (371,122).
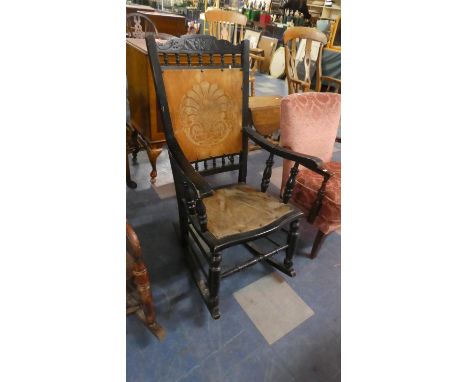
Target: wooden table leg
(153,153)
(130,182)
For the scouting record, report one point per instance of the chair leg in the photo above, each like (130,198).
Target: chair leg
(319,239)
(130,182)
(141,281)
(214,278)
(135,145)
(252,88)
(183,218)
(140,274)
(292,242)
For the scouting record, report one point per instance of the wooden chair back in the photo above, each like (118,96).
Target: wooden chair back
(334,43)
(226,25)
(140,26)
(290,38)
(202,89)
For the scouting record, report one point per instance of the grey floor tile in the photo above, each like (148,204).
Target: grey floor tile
(273,306)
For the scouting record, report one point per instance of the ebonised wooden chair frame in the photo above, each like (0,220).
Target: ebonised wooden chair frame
(200,53)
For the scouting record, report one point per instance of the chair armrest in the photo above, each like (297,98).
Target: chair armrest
(312,163)
(332,83)
(198,183)
(257,58)
(257,50)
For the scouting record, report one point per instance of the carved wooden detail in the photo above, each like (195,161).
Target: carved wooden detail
(206,111)
(140,26)
(290,183)
(194,43)
(205,114)
(267,173)
(139,297)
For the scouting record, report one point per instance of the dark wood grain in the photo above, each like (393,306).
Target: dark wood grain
(139,296)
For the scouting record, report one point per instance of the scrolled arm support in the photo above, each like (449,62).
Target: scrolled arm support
(312,163)
(195,188)
(314,211)
(185,169)
(267,173)
(201,213)
(290,183)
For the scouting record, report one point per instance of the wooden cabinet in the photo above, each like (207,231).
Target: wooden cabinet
(145,117)
(131,8)
(167,22)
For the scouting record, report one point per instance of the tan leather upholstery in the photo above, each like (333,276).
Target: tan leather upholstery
(240,208)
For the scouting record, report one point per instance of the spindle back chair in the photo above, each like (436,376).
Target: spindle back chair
(202,90)
(290,39)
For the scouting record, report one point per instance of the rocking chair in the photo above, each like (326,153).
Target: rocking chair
(202,90)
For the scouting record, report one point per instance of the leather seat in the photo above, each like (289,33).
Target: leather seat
(241,208)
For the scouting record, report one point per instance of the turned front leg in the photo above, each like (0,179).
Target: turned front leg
(292,241)
(153,154)
(214,278)
(140,276)
(130,182)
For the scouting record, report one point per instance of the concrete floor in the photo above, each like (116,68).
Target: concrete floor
(198,348)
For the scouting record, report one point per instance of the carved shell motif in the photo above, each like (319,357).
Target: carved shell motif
(205,114)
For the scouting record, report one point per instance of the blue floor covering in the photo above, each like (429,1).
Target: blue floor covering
(198,348)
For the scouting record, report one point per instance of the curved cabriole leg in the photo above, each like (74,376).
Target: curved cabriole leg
(214,277)
(319,239)
(153,154)
(292,242)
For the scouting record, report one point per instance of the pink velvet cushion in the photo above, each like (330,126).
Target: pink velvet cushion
(309,124)
(305,193)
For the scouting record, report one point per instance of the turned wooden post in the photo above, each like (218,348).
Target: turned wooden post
(142,283)
(291,182)
(267,173)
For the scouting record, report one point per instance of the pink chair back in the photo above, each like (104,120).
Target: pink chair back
(309,124)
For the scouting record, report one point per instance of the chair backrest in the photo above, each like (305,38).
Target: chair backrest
(334,43)
(309,124)
(311,35)
(140,26)
(202,89)
(226,25)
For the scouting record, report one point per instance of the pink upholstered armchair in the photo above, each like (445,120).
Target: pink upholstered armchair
(309,125)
